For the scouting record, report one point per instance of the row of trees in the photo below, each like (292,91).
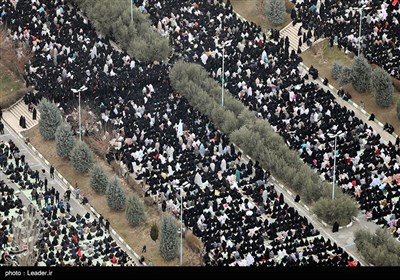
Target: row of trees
(257,139)
(379,249)
(363,79)
(134,34)
(52,127)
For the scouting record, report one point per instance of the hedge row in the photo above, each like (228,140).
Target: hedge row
(137,36)
(380,249)
(254,136)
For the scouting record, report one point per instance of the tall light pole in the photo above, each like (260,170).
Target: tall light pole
(359,29)
(180,260)
(131,10)
(222,76)
(339,133)
(186,184)
(223,45)
(82,88)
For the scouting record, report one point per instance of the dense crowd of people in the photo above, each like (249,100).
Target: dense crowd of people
(228,202)
(261,73)
(65,238)
(340,22)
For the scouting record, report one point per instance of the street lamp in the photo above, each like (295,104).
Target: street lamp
(223,45)
(359,30)
(82,88)
(131,10)
(186,184)
(331,135)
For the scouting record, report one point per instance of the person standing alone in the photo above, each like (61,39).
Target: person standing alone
(52,172)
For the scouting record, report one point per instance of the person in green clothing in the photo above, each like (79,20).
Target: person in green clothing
(237,173)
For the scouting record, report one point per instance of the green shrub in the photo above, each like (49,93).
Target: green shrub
(345,76)
(135,213)
(233,105)
(64,140)
(382,84)
(246,117)
(341,209)
(99,179)
(379,249)
(50,119)
(169,238)
(116,196)
(230,122)
(81,157)
(361,74)
(137,36)
(336,70)
(275,11)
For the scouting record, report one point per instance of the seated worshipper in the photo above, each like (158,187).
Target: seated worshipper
(345,95)
(313,72)
(372,117)
(388,127)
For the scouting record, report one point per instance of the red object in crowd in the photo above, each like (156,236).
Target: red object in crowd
(114,259)
(394,2)
(75,238)
(79,253)
(351,263)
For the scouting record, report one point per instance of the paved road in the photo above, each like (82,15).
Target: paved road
(36,163)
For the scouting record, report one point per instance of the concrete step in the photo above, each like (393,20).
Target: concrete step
(13,115)
(19,111)
(12,121)
(291,32)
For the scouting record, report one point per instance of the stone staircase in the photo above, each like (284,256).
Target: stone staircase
(12,115)
(292,31)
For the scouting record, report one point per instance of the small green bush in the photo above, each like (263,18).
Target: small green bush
(116,196)
(135,213)
(169,238)
(99,179)
(65,140)
(340,210)
(379,249)
(361,74)
(382,84)
(275,11)
(50,119)
(82,157)
(336,70)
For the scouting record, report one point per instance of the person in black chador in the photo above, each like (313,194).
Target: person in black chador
(34,114)
(335,227)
